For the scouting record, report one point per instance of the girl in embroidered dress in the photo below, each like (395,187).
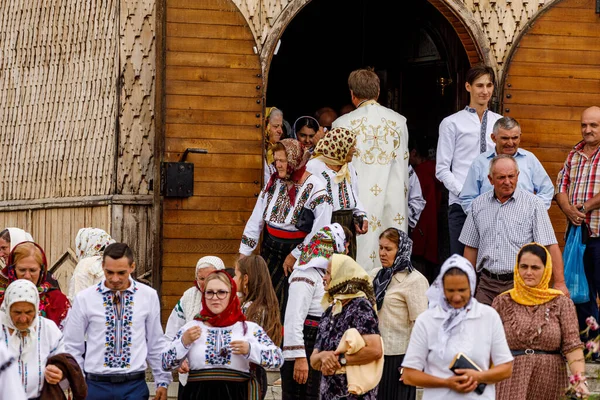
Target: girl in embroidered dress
(31,338)
(220,345)
(331,162)
(28,261)
(292,207)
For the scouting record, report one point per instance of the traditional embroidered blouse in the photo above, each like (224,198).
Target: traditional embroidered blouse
(306,288)
(213,350)
(31,365)
(344,195)
(122,332)
(9,376)
(184,311)
(274,208)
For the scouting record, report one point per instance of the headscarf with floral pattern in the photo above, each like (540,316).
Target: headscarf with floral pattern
(297,156)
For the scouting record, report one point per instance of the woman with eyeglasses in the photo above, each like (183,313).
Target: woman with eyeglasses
(219,345)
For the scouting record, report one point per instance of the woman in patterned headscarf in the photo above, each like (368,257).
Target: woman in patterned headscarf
(400,293)
(291,208)
(331,162)
(274,126)
(9,238)
(89,247)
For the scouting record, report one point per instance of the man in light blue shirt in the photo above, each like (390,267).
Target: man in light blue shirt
(532,177)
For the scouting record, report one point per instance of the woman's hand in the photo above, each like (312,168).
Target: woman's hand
(461,383)
(301,370)
(53,374)
(191,335)
(184,368)
(583,389)
(240,347)
(288,264)
(329,362)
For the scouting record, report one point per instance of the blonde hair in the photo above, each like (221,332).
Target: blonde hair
(221,277)
(28,249)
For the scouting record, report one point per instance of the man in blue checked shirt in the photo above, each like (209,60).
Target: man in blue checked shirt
(532,175)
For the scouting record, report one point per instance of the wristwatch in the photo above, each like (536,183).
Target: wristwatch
(582,209)
(342,360)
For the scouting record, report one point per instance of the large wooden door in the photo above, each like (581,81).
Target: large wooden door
(213,101)
(553,75)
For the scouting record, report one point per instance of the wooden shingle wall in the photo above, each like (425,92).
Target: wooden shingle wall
(552,77)
(57,98)
(213,101)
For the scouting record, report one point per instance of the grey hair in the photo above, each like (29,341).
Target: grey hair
(506,123)
(502,157)
(275,113)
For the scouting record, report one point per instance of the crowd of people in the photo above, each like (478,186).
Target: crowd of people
(346,297)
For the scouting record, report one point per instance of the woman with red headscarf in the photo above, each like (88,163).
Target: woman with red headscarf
(28,261)
(292,208)
(219,345)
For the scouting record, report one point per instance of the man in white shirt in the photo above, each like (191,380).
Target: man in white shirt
(120,318)
(416,202)
(463,136)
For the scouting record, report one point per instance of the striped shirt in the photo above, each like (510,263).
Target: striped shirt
(580,180)
(499,230)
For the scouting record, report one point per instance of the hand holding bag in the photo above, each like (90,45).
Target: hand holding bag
(574,268)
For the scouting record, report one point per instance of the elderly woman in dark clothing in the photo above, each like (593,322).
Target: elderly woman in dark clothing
(351,301)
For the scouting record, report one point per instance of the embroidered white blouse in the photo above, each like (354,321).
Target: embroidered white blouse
(274,208)
(88,272)
(212,349)
(9,376)
(184,311)
(31,365)
(344,195)
(306,288)
(117,345)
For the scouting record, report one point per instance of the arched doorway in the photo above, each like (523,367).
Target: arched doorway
(553,75)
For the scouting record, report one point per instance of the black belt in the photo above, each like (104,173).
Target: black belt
(499,277)
(116,378)
(530,352)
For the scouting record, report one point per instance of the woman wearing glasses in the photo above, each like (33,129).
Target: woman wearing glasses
(219,345)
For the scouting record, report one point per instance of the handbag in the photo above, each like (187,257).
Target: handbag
(306,220)
(574,268)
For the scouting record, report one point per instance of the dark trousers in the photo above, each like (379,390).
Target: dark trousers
(591,261)
(456,220)
(132,390)
(488,289)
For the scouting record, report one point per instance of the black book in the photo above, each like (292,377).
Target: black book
(461,361)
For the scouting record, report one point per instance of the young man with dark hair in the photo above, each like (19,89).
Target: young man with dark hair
(462,137)
(120,318)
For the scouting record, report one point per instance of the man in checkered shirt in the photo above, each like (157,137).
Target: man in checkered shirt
(502,221)
(578,196)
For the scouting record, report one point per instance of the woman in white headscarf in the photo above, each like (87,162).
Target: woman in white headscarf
(89,247)
(32,339)
(456,323)
(9,238)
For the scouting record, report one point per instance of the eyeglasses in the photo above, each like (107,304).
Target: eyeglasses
(221,294)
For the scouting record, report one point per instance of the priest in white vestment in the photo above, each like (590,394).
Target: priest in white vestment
(381,162)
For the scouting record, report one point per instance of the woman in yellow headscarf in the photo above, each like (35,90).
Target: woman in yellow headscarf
(350,303)
(541,326)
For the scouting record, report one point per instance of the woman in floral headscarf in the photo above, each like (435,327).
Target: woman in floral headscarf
(274,126)
(89,247)
(28,261)
(331,162)
(291,208)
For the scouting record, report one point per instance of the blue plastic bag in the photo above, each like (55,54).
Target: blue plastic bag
(574,268)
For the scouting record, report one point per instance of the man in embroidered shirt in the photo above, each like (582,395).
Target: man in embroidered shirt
(501,221)
(532,175)
(463,136)
(578,196)
(381,162)
(120,318)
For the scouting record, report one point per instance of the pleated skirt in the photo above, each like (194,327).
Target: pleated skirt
(390,386)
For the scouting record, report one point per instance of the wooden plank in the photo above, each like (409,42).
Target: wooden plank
(174,274)
(519,68)
(181,231)
(215,146)
(199,131)
(226,189)
(206,31)
(543,112)
(205,217)
(212,117)
(208,74)
(205,246)
(232,103)
(217,46)
(212,60)
(545,84)
(213,203)
(185,259)
(551,98)
(577,15)
(557,28)
(554,128)
(553,56)
(217,89)
(588,4)
(228,175)
(543,139)
(557,155)
(559,42)
(210,17)
(223,5)
(212,160)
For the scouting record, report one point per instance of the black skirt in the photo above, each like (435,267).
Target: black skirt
(346,218)
(390,386)
(274,251)
(220,384)
(309,390)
